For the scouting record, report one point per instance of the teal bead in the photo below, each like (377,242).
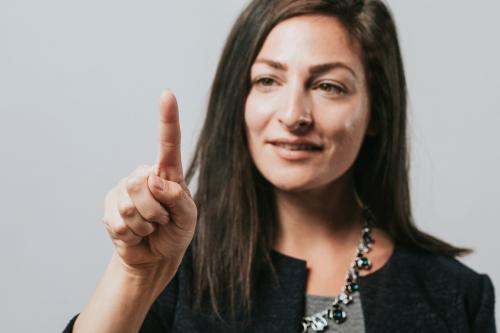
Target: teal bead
(353,287)
(339,316)
(363,263)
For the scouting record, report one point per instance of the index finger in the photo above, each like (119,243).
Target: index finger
(169,165)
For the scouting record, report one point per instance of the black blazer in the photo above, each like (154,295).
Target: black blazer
(412,292)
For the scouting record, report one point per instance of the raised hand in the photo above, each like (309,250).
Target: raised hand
(150,215)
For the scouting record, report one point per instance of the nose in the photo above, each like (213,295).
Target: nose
(296,115)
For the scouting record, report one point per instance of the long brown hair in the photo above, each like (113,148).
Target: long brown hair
(236,207)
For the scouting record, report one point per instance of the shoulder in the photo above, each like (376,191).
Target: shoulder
(439,270)
(449,288)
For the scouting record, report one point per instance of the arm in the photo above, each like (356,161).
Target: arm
(151,217)
(121,300)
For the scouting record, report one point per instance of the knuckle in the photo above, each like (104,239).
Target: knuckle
(120,229)
(156,186)
(144,229)
(177,192)
(133,184)
(131,241)
(126,209)
(117,230)
(150,216)
(168,146)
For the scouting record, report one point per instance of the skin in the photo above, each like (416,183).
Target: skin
(151,216)
(317,206)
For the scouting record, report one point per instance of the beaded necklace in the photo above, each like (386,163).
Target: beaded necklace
(336,311)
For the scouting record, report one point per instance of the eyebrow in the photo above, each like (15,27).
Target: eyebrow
(313,70)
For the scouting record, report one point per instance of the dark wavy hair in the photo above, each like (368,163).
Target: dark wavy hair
(237,222)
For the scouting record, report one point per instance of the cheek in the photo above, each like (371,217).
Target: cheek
(257,116)
(341,125)
(345,130)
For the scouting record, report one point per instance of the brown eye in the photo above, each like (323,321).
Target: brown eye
(265,81)
(332,88)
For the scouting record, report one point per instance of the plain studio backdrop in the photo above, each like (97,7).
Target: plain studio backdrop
(79,89)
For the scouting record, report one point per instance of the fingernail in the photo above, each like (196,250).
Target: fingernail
(157,182)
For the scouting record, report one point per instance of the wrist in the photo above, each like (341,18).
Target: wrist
(123,297)
(148,280)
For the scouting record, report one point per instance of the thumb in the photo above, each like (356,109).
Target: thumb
(175,199)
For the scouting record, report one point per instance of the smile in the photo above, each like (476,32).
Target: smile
(295,152)
(290,146)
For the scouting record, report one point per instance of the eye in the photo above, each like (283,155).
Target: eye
(332,88)
(265,84)
(264,81)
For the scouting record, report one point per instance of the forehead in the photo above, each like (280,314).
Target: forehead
(311,39)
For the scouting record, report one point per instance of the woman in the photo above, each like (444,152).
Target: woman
(301,220)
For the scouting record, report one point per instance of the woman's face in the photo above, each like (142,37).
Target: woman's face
(308,108)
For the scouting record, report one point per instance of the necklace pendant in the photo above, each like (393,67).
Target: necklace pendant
(363,263)
(352,287)
(363,247)
(319,323)
(338,315)
(367,238)
(344,298)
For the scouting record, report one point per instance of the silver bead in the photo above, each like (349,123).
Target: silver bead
(345,298)
(319,323)
(305,325)
(363,247)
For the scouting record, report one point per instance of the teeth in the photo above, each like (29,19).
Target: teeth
(296,147)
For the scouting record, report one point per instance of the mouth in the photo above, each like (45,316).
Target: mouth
(297,147)
(297,151)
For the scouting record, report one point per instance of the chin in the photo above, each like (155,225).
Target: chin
(291,183)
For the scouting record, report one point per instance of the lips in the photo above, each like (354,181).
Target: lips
(295,150)
(290,146)
(296,144)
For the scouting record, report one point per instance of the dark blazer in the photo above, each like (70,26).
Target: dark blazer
(412,292)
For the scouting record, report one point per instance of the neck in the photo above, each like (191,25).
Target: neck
(322,219)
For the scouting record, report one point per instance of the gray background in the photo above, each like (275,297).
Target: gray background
(79,89)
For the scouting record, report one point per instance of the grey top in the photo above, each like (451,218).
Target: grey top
(355,322)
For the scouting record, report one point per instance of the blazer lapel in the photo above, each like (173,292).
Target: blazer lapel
(280,303)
